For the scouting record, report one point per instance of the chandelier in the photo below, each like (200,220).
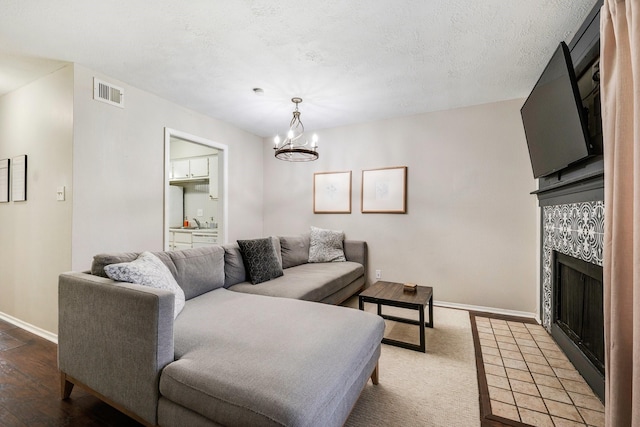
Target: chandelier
(294,148)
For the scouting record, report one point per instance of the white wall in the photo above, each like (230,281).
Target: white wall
(118,163)
(111,162)
(35,235)
(470,230)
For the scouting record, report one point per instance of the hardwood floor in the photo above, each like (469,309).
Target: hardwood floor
(30,387)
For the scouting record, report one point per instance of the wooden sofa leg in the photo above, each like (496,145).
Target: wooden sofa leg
(374,375)
(65,386)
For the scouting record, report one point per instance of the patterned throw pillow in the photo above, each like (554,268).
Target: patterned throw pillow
(326,245)
(148,270)
(260,260)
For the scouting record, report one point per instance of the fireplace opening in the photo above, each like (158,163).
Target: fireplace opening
(578,317)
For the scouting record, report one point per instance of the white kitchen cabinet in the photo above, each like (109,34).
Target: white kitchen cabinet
(180,169)
(192,168)
(181,240)
(171,237)
(199,167)
(204,239)
(187,239)
(181,246)
(182,237)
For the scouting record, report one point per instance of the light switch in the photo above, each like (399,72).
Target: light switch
(199,212)
(60,194)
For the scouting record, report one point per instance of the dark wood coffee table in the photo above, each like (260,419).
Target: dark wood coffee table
(393,294)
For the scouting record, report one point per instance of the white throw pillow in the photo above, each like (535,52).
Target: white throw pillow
(148,270)
(326,245)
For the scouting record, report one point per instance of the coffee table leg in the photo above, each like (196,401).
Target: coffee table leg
(361,303)
(430,324)
(422,344)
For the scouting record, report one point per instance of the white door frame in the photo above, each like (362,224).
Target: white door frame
(224,151)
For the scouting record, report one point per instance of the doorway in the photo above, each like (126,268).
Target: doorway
(195,191)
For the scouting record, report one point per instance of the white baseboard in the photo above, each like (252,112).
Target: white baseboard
(30,328)
(485,309)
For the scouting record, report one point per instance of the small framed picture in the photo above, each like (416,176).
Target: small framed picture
(4,180)
(19,178)
(384,190)
(332,192)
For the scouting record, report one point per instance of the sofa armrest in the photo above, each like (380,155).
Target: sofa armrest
(114,338)
(356,251)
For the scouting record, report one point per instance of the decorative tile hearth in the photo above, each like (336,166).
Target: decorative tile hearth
(526,380)
(575,229)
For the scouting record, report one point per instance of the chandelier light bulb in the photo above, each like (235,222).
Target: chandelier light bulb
(290,134)
(276,140)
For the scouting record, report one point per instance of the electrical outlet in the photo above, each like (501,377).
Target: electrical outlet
(199,213)
(378,274)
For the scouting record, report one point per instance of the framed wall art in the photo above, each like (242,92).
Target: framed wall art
(332,192)
(19,178)
(384,190)
(4,180)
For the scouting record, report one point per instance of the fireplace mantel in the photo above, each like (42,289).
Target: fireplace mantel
(581,183)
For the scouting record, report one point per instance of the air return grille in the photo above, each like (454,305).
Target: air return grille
(106,92)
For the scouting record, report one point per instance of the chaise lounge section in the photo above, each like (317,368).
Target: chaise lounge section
(295,363)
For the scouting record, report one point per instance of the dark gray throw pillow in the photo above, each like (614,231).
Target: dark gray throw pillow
(260,259)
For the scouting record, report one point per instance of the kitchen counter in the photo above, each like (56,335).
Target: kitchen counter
(186,238)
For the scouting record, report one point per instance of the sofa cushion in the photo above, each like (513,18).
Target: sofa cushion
(310,282)
(198,270)
(276,246)
(255,378)
(148,270)
(326,245)
(260,259)
(295,250)
(100,261)
(234,271)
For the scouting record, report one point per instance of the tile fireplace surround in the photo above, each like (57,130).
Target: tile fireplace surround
(576,230)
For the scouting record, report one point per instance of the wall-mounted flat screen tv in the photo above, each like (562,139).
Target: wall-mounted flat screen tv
(553,118)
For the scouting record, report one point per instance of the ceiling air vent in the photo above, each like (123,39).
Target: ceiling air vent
(106,92)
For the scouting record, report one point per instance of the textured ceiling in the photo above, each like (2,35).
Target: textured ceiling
(351,61)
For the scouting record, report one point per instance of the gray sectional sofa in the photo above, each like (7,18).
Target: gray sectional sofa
(237,354)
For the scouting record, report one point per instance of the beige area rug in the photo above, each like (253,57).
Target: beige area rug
(436,388)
